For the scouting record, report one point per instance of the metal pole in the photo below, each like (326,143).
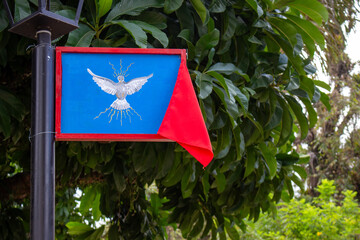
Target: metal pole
(42,140)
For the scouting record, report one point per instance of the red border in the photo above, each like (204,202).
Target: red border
(59,136)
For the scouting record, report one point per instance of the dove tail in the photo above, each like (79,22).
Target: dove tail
(120,104)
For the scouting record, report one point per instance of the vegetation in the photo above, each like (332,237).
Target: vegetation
(322,218)
(251,65)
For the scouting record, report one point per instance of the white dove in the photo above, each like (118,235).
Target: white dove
(121,89)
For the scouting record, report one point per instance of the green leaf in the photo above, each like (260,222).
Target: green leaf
(312,115)
(296,61)
(119,180)
(132,7)
(285,28)
(103,6)
(257,8)
(205,85)
(314,9)
(302,120)
(250,162)
(297,181)
(172,5)
(96,235)
(325,100)
(96,207)
(223,143)
(286,123)
(87,199)
(77,228)
(239,143)
(230,25)
(227,68)
(200,9)
(135,31)
(230,105)
(309,28)
(187,185)
(185,35)
(307,85)
(287,159)
(301,171)
(221,80)
(4,22)
(220,182)
(269,158)
(81,37)
(322,84)
(22,10)
(231,231)
(154,31)
(197,227)
(205,43)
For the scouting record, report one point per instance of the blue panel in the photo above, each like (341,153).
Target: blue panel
(83,100)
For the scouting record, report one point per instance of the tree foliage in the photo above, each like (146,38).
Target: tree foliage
(333,142)
(250,62)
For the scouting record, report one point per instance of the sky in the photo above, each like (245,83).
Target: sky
(353,46)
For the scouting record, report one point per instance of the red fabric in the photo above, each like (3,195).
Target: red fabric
(183,121)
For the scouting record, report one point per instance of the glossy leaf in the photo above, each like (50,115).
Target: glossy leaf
(314,9)
(269,158)
(154,31)
(76,228)
(103,6)
(172,5)
(131,7)
(309,28)
(22,10)
(81,37)
(256,7)
(200,9)
(297,109)
(135,31)
(3,20)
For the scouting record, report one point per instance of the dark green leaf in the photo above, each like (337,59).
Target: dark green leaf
(131,7)
(3,20)
(81,37)
(220,182)
(250,162)
(286,123)
(135,31)
(22,10)
(269,158)
(297,109)
(154,31)
(309,28)
(172,5)
(200,9)
(257,8)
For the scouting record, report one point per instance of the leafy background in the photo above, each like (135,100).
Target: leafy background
(251,66)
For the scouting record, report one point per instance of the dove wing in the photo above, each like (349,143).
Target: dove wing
(105,84)
(136,84)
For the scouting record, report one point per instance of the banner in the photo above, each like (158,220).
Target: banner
(122,94)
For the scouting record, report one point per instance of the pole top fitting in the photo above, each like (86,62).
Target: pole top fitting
(43,19)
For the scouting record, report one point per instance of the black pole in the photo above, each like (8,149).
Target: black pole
(42,140)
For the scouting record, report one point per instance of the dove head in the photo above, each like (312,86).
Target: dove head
(120,78)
